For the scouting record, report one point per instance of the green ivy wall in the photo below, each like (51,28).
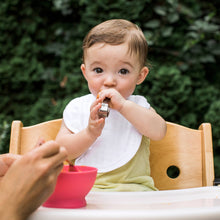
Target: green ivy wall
(40,57)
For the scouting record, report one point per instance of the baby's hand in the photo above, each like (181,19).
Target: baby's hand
(96,123)
(116,99)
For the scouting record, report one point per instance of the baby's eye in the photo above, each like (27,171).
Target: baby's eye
(98,70)
(123,71)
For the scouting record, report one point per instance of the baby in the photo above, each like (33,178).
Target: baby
(114,62)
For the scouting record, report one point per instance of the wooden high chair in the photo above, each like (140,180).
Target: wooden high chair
(187,152)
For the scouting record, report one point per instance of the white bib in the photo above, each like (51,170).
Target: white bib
(118,142)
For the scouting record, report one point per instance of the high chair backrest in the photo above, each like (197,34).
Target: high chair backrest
(186,152)
(189,152)
(23,139)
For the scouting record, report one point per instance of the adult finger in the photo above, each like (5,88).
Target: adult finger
(59,158)
(40,142)
(48,149)
(9,158)
(58,169)
(6,161)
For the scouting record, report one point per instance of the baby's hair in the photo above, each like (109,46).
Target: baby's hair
(116,32)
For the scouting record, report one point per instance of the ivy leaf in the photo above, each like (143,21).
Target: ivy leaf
(167,31)
(160,10)
(207,59)
(153,24)
(172,18)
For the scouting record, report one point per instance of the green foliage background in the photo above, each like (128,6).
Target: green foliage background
(40,57)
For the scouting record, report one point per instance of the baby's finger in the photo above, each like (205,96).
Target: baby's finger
(94,111)
(107,93)
(98,100)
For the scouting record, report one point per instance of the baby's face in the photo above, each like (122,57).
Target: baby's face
(111,66)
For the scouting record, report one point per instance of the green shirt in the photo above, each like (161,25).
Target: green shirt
(133,176)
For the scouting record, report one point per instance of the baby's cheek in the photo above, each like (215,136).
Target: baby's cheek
(94,89)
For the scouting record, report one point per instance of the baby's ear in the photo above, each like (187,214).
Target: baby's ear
(142,75)
(83,69)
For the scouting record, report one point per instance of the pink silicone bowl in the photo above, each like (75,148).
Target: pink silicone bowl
(72,187)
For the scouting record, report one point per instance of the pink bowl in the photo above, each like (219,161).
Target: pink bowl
(72,187)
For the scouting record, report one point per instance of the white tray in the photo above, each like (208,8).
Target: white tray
(194,203)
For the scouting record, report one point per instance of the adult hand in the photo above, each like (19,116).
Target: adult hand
(30,180)
(6,161)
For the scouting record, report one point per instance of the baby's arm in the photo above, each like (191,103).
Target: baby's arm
(77,143)
(146,121)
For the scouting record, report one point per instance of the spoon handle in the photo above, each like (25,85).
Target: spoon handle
(72,168)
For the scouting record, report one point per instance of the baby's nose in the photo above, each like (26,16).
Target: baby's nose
(110,80)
